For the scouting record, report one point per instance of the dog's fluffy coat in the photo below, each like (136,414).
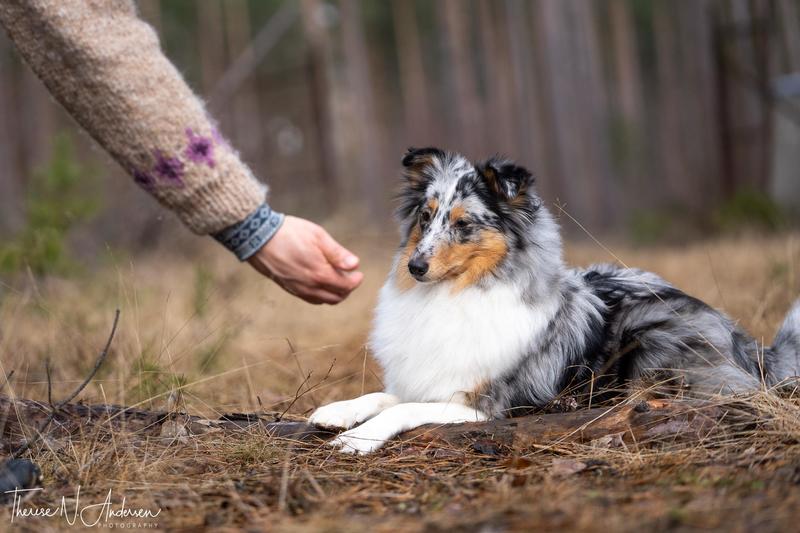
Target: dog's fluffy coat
(480,317)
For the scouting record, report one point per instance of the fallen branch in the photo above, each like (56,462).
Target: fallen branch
(638,422)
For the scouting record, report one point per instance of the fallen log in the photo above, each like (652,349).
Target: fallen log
(633,422)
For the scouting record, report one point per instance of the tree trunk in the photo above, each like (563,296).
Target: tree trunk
(671,155)
(317,44)
(244,110)
(788,16)
(639,423)
(367,139)
(468,123)
(150,11)
(420,128)
(211,40)
(502,122)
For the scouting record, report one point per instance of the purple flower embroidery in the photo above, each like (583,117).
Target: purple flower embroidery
(200,149)
(143,179)
(169,168)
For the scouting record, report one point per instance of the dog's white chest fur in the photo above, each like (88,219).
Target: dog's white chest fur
(433,344)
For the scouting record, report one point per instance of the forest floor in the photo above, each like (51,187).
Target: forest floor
(232,342)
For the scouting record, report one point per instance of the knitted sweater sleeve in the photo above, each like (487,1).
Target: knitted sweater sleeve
(105,66)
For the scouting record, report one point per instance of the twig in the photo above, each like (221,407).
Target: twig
(98,362)
(49,383)
(8,379)
(298,394)
(54,408)
(284,483)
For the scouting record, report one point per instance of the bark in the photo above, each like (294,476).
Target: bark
(150,10)
(499,79)
(639,423)
(418,114)
(10,186)
(469,125)
(242,110)
(211,41)
(669,108)
(788,16)
(318,60)
(367,144)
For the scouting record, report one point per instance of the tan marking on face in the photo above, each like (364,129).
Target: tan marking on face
(403,277)
(467,263)
(456,213)
(433,205)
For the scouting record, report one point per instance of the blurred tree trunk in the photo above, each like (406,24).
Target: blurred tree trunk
(33,102)
(788,16)
(744,77)
(700,134)
(150,11)
(10,186)
(463,87)
(524,121)
(367,145)
(669,106)
(244,109)
(317,44)
(626,62)
(592,98)
(552,30)
(211,44)
(420,129)
(629,130)
(578,100)
(499,79)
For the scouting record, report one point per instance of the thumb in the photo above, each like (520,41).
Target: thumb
(336,254)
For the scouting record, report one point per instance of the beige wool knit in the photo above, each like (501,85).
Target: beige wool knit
(105,66)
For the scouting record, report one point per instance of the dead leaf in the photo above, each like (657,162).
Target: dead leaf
(566,467)
(608,441)
(517,462)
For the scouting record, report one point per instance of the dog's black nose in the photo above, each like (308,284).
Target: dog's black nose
(418,267)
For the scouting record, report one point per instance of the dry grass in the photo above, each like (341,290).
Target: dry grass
(232,342)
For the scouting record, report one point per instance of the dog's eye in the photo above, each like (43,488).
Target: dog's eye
(461,223)
(425,217)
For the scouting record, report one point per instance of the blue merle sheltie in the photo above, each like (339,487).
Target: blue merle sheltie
(480,318)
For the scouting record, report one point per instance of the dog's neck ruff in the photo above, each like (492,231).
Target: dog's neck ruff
(435,344)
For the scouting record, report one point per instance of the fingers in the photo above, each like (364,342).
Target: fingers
(336,254)
(321,296)
(342,283)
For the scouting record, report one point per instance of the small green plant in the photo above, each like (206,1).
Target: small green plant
(749,208)
(153,381)
(649,227)
(203,284)
(59,197)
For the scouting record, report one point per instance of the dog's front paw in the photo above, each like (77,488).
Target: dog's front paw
(336,415)
(357,442)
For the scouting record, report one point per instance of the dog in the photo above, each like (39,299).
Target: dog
(480,318)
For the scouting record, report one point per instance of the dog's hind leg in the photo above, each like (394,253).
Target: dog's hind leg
(348,413)
(375,432)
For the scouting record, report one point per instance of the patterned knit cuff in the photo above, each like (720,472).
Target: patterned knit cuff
(248,236)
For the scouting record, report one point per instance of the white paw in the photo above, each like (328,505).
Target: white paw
(337,415)
(357,442)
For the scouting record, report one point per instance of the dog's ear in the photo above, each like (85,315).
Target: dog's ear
(416,157)
(416,160)
(506,179)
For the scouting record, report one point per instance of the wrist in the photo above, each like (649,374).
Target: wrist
(245,238)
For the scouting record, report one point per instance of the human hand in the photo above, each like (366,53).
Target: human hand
(305,261)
